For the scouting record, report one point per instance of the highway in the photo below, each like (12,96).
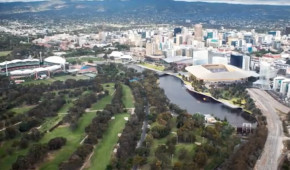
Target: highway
(274,144)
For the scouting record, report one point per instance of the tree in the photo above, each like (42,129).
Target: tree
(200,158)
(11,132)
(177,166)
(21,163)
(106,57)
(56,143)
(23,143)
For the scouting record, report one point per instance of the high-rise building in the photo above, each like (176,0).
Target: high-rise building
(240,61)
(149,49)
(198,32)
(288,30)
(176,31)
(237,60)
(200,56)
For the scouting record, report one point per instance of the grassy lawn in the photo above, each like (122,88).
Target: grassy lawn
(4,53)
(50,122)
(127,98)
(73,137)
(189,147)
(84,59)
(73,140)
(102,103)
(153,66)
(104,149)
(7,161)
(22,109)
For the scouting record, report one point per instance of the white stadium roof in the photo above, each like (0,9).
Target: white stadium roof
(18,61)
(55,60)
(36,70)
(232,73)
(116,54)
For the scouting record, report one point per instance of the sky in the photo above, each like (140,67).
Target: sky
(265,2)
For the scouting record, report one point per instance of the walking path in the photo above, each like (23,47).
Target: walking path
(10,126)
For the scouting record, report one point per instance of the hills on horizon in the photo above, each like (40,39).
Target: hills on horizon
(155,11)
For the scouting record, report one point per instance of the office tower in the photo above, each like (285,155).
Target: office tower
(149,49)
(176,31)
(240,61)
(288,30)
(198,32)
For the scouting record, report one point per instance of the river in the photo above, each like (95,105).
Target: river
(194,103)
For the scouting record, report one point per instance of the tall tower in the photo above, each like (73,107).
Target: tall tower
(198,32)
(288,30)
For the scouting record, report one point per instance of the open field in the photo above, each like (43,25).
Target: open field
(107,99)
(153,66)
(127,98)
(84,59)
(7,161)
(4,53)
(22,109)
(73,137)
(104,149)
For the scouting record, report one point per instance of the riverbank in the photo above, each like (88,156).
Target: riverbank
(190,88)
(227,103)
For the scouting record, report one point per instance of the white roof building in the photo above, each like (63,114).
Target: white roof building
(55,60)
(219,73)
(36,70)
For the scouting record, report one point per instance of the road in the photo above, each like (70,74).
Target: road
(274,144)
(144,130)
(144,127)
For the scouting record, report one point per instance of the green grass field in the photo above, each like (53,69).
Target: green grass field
(73,141)
(104,149)
(153,66)
(127,98)
(22,109)
(84,59)
(102,103)
(4,53)
(6,162)
(73,137)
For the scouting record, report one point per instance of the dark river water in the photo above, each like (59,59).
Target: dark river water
(194,103)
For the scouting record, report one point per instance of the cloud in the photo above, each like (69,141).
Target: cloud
(249,2)
(21,0)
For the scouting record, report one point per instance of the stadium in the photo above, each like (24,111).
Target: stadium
(220,73)
(32,68)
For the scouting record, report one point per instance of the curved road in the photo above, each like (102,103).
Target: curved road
(274,144)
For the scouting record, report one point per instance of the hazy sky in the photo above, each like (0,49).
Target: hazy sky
(266,2)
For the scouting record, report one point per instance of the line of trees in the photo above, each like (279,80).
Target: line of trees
(79,107)
(37,153)
(131,133)
(95,131)
(35,117)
